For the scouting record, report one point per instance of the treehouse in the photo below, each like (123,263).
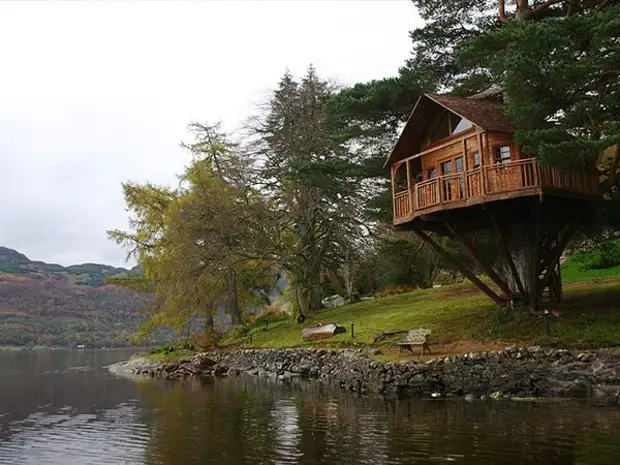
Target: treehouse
(456,169)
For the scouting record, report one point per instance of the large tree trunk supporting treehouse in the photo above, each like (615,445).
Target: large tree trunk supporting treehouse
(531,251)
(531,236)
(233,299)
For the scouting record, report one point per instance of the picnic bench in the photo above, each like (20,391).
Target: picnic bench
(416,337)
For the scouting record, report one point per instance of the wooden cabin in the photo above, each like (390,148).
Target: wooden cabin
(456,153)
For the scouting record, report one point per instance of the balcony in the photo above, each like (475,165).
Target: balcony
(488,183)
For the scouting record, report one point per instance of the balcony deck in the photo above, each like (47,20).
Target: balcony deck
(514,179)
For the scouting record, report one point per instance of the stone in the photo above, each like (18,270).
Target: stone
(606,395)
(521,372)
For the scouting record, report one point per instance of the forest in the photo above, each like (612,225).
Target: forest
(299,193)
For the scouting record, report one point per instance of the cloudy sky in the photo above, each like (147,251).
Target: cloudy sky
(96,93)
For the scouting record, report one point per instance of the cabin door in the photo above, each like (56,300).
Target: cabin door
(459,185)
(447,181)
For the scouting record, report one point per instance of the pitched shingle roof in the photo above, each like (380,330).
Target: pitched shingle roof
(484,113)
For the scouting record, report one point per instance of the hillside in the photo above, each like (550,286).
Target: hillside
(462,319)
(48,304)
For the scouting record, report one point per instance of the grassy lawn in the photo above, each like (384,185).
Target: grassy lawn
(572,272)
(461,317)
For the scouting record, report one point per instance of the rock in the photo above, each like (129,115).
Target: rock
(520,372)
(606,395)
(434,395)
(497,395)
(469,398)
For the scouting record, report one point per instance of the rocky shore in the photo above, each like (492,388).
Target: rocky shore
(509,373)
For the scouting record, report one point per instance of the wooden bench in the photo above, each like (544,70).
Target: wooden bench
(416,337)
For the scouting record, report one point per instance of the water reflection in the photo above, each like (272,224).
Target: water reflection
(64,408)
(248,420)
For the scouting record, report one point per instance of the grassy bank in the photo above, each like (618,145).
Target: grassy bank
(462,318)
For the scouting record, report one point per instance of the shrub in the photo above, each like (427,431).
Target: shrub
(165,350)
(240,331)
(270,313)
(205,340)
(393,290)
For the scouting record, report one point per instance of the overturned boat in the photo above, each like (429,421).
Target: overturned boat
(322,331)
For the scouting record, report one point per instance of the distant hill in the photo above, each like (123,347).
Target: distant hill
(49,304)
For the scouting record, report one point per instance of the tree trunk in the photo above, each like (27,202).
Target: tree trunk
(523,249)
(233,299)
(315,294)
(209,319)
(302,296)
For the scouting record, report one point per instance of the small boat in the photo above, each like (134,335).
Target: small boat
(322,331)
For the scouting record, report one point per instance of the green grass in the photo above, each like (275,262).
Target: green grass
(572,271)
(460,314)
(172,356)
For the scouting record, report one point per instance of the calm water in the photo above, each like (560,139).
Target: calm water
(63,407)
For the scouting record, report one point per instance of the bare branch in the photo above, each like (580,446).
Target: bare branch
(543,6)
(601,5)
(502,10)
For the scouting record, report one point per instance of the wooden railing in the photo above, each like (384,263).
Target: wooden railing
(491,180)
(577,181)
(402,204)
(515,175)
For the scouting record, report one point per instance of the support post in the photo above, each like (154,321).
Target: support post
(486,267)
(466,272)
(556,253)
(411,209)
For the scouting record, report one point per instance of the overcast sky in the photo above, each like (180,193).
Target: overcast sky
(96,93)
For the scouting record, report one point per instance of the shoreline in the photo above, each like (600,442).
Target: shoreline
(514,372)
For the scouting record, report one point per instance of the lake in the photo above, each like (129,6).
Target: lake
(63,407)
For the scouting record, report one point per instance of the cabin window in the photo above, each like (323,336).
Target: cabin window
(431,173)
(446,167)
(502,154)
(460,165)
(462,125)
(447,125)
(476,160)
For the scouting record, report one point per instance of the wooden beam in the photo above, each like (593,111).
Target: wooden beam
(409,190)
(457,140)
(556,253)
(466,272)
(486,267)
(504,246)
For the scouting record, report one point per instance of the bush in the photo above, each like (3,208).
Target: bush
(240,331)
(270,313)
(393,290)
(607,256)
(164,350)
(205,340)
